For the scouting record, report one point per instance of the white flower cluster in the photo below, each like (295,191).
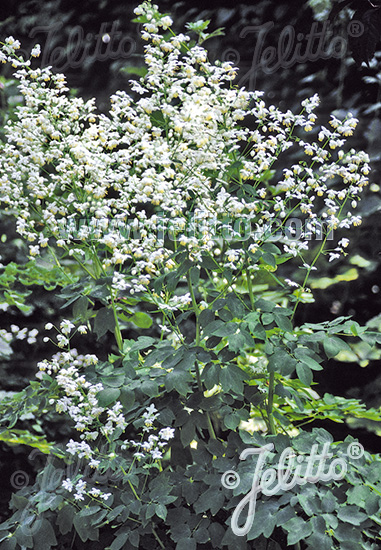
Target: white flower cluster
(65,329)
(155,443)
(151,449)
(17,333)
(81,489)
(79,400)
(173,155)
(61,359)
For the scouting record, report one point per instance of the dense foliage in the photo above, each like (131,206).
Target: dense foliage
(182,213)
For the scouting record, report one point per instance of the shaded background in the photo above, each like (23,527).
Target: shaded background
(98,48)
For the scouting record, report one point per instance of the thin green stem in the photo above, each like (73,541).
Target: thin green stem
(196,310)
(157,537)
(118,334)
(321,248)
(58,263)
(133,490)
(250,287)
(270,404)
(84,267)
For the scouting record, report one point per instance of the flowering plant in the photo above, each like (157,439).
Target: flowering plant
(175,214)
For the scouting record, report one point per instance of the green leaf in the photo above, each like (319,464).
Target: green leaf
(232,421)
(311,363)
(319,540)
(132,69)
(267,318)
(282,362)
(269,259)
(120,541)
(186,544)
(141,319)
(209,263)
(304,374)
(161,511)
(211,375)
(89,511)
(134,538)
(333,345)
(252,319)
(309,501)
(107,396)
(115,512)
(351,514)
(114,380)
(178,380)
(84,528)
(184,267)
(231,378)
(80,308)
(298,529)
(195,275)
(44,538)
(8,544)
(265,305)
(220,328)
(22,535)
(206,317)
(237,342)
(282,321)
(127,398)
(264,521)
(358,494)
(48,501)
(284,515)
(225,315)
(150,388)
(235,306)
(212,499)
(188,432)
(104,321)
(201,535)
(143,342)
(329,502)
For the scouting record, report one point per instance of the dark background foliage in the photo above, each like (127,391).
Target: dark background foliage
(70,33)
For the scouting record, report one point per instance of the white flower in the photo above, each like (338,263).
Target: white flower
(139,455)
(156,454)
(167,433)
(66,326)
(62,341)
(310,267)
(150,412)
(36,50)
(291,283)
(343,242)
(333,256)
(68,485)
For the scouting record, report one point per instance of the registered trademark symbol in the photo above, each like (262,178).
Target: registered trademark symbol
(355,28)
(355,450)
